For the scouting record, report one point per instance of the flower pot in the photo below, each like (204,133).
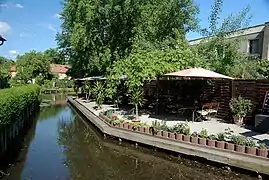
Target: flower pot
(138,129)
(262,152)
(126,125)
(220,144)
(146,130)
(179,137)
(130,127)
(165,134)
(171,135)
(211,143)
(202,141)
(159,133)
(229,146)
(238,120)
(186,138)
(251,150)
(121,125)
(240,148)
(194,140)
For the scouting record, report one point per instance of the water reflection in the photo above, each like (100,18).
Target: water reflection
(61,146)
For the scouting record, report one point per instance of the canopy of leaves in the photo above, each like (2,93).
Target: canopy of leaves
(55,56)
(32,65)
(95,34)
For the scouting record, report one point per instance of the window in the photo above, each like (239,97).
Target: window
(254,46)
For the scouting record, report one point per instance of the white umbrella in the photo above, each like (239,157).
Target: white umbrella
(198,73)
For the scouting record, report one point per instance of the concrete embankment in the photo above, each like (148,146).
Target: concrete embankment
(240,160)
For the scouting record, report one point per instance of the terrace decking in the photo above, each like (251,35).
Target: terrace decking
(240,160)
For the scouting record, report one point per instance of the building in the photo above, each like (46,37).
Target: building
(254,40)
(56,69)
(59,70)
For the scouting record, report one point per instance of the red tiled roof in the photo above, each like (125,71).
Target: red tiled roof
(12,69)
(58,68)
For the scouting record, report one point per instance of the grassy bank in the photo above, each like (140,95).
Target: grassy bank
(13,101)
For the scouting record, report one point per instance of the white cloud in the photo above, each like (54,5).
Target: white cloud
(57,16)
(19,6)
(4,27)
(26,34)
(4,5)
(13,52)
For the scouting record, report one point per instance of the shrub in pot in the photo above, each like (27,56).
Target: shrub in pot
(262,150)
(240,108)
(202,137)
(194,137)
(240,143)
(211,141)
(182,128)
(250,147)
(220,143)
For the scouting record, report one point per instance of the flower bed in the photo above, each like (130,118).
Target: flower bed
(181,132)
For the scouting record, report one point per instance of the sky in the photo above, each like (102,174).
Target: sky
(32,24)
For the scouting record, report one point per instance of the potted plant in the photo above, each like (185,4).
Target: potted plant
(240,108)
(262,150)
(194,137)
(202,137)
(250,146)
(211,141)
(240,143)
(98,91)
(220,143)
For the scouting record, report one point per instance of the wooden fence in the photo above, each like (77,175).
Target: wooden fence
(186,91)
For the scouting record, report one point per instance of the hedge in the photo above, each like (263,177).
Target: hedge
(15,100)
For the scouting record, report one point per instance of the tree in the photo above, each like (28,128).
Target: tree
(97,34)
(5,65)
(55,56)
(217,49)
(33,65)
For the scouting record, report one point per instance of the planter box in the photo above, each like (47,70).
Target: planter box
(229,146)
(202,141)
(179,137)
(165,134)
(186,138)
(159,133)
(138,129)
(146,130)
(126,125)
(251,150)
(121,125)
(194,140)
(172,135)
(220,144)
(262,152)
(211,143)
(130,127)
(240,148)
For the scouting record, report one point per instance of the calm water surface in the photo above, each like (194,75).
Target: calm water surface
(61,145)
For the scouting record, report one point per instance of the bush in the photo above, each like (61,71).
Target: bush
(240,107)
(13,102)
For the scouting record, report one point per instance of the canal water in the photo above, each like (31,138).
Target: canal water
(62,145)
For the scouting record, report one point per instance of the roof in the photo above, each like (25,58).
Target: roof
(12,69)
(58,68)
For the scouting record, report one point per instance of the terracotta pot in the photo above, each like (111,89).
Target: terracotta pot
(179,137)
(238,120)
(202,141)
(251,150)
(139,129)
(172,135)
(165,134)
(229,146)
(121,125)
(220,144)
(126,125)
(194,140)
(240,148)
(146,130)
(262,152)
(186,138)
(159,133)
(130,127)
(211,143)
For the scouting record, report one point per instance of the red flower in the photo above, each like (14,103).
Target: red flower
(114,116)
